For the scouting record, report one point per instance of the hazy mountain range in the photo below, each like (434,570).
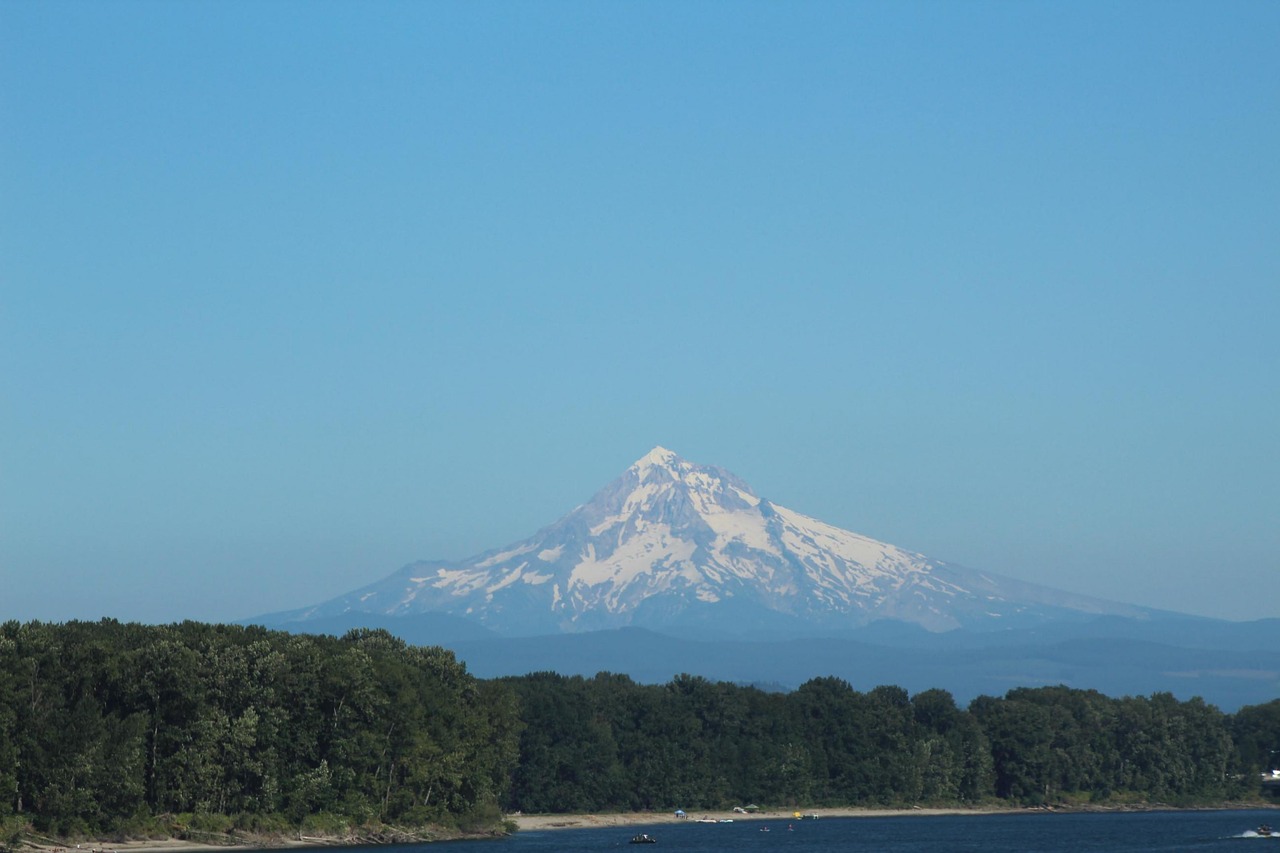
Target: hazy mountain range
(679,567)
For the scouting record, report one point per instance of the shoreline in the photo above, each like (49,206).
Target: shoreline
(537,822)
(543,822)
(588,821)
(237,843)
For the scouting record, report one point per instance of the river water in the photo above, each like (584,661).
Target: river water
(997,833)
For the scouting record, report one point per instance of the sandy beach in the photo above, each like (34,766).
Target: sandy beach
(550,821)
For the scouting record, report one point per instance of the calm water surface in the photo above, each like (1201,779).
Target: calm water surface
(1029,833)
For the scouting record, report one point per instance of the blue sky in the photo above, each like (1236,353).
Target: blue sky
(292,294)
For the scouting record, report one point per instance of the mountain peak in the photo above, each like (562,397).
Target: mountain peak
(659,456)
(670,538)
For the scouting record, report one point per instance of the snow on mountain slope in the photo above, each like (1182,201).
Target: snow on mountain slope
(669,539)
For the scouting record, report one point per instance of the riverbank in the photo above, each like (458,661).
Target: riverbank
(536,822)
(588,821)
(216,843)
(522,822)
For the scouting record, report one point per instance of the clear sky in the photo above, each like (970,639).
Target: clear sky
(292,294)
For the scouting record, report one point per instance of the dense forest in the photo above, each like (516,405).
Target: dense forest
(109,729)
(608,743)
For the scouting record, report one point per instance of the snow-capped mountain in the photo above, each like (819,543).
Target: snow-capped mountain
(673,543)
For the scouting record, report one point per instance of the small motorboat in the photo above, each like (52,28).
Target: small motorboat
(1265,831)
(644,838)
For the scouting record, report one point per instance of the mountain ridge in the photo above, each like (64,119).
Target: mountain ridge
(1229,664)
(1114,664)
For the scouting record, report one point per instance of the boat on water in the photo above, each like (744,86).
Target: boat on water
(644,838)
(1265,831)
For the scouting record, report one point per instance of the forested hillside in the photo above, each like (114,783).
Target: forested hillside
(109,729)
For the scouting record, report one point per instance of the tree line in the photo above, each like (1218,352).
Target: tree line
(109,728)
